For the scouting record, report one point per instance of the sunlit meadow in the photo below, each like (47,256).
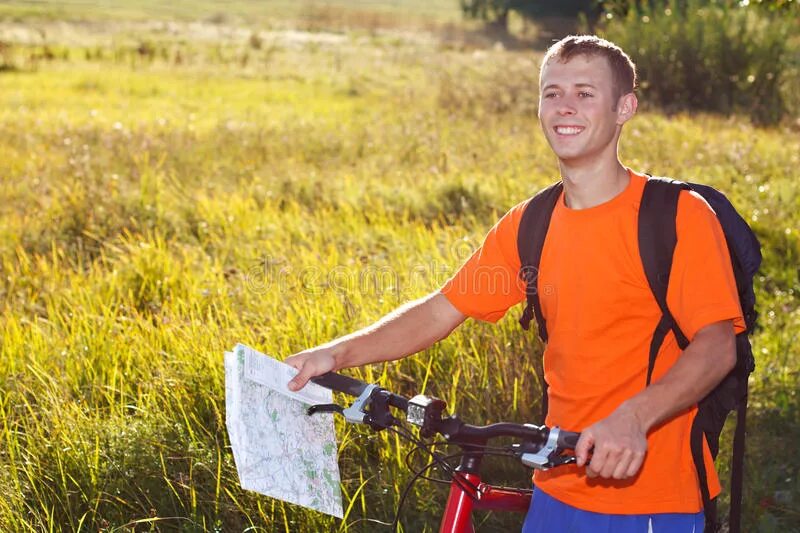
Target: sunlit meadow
(163,197)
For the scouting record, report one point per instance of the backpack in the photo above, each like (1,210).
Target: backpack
(657,238)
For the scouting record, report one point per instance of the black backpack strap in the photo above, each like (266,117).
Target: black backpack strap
(737,469)
(709,505)
(657,240)
(745,254)
(530,240)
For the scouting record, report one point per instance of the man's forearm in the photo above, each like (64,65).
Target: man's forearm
(407,330)
(620,440)
(706,361)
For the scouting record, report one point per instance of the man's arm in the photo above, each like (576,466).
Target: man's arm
(407,330)
(620,440)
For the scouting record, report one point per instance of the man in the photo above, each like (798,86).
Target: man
(600,315)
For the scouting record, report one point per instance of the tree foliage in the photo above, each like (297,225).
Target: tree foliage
(711,56)
(496,11)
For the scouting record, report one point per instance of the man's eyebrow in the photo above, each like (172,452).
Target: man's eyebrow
(579,85)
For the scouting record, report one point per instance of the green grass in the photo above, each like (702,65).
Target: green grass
(230,11)
(154,211)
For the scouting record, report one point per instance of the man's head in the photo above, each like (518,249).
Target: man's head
(623,70)
(586,95)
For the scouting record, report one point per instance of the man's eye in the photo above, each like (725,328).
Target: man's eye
(584,94)
(549,95)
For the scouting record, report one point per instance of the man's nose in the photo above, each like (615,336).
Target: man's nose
(566,107)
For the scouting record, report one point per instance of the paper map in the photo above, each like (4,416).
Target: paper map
(280,451)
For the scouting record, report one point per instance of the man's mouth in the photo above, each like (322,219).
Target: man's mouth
(568,130)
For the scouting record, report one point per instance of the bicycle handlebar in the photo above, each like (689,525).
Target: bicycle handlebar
(568,439)
(451,428)
(340,383)
(540,447)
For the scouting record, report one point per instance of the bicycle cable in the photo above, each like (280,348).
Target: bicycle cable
(465,485)
(438,459)
(498,453)
(413,468)
(419,444)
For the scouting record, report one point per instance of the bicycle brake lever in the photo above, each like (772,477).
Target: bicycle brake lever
(549,455)
(560,460)
(324,408)
(546,462)
(356,413)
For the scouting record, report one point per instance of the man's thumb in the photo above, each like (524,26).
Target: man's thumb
(300,380)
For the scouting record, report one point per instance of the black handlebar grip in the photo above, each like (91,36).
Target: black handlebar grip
(567,440)
(339,383)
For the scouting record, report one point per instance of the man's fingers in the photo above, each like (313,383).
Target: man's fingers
(620,464)
(602,464)
(635,465)
(621,470)
(582,448)
(594,468)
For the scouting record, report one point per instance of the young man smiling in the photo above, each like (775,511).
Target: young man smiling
(600,314)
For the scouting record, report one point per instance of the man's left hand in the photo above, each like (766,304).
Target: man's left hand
(619,442)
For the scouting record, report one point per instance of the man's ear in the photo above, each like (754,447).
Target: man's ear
(626,107)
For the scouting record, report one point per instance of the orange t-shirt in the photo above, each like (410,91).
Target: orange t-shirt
(600,316)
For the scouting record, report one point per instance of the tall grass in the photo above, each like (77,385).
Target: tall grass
(154,213)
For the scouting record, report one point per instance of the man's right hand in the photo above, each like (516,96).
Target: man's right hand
(310,363)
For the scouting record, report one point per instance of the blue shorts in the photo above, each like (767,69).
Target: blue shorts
(546,514)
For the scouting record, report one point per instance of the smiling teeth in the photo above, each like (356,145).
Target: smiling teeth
(564,130)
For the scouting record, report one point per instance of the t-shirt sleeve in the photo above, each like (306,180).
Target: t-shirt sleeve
(702,288)
(488,283)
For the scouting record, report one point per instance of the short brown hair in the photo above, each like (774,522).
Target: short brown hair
(623,70)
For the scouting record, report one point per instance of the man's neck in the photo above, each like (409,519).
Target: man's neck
(586,186)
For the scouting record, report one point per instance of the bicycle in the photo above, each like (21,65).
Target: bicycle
(540,447)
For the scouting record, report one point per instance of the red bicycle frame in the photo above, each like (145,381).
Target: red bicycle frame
(458,512)
(468,493)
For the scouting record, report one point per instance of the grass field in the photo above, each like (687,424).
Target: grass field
(246,10)
(330,14)
(160,203)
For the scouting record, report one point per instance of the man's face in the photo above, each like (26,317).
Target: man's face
(578,110)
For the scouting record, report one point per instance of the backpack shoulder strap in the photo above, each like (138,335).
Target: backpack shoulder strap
(530,241)
(657,239)
(745,256)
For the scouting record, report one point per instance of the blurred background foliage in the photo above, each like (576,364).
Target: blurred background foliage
(722,56)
